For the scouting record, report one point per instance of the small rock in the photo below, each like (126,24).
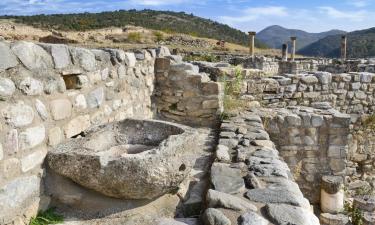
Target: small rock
(162,52)
(80,102)
(252,182)
(7,58)
(215,217)
(84,58)
(96,98)
(77,125)
(32,160)
(130,59)
(7,88)
(41,109)
(31,86)
(290,215)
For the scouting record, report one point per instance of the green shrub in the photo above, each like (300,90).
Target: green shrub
(232,93)
(355,214)
(159,36)
(134,37)
(47,217)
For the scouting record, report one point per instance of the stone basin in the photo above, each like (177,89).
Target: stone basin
(131,159)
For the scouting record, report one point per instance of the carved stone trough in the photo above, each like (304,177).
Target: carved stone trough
(131,159)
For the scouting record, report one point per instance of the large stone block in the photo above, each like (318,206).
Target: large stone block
(32,137)
(60,54)
(32,56)
(7,87)
(130,59)
(76,126)
(7,58)
(84,58)
(61,109)
(33,160)
(17,195)
(18,114)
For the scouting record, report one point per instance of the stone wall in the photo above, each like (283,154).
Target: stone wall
(251,184)
(349,93)
(313,143)
(184,95)
(52,92)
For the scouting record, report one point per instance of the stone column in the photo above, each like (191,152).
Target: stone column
(293,54)
(252,43)
(285,52)
(343,47)
(332,194)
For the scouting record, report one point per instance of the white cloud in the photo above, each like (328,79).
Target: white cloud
(337,14)
(251,14)
(359,3)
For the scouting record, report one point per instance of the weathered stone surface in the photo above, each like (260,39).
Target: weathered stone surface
(17,195)
(84,58)
(218,199)
(96,98)
(60,54)
(41,109)
(32,160)
(18,114)
(7,87)
(119,154)
(32,56)
(7,58)
(130,59)
(324,77)
(226,179)
(334,219)
(178,221)
(222,153)
(279,195)
(77,125)
(162,52)
(31,86)
(215,217)
(61,109)
(252,218)
(365,203)
(1,152)
(32,137)
(290,215)
(80,102)
(309,80)
(55,136)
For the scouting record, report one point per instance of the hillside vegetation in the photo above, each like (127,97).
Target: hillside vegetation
(275,36)
(361,44)
(167,21)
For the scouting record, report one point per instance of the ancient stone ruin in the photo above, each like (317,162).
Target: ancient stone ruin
(106,136)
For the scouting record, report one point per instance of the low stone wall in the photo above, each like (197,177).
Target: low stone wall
(53,92)
(313,143)
(184,95)
(250,182)
(349,93)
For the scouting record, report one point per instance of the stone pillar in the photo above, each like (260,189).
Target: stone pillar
(252,43)
(343,47)
(332,194)
(285,52)
(293,54)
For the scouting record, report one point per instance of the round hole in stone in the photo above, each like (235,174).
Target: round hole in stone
(182,167)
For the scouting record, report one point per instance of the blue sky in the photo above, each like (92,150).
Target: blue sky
(246,15)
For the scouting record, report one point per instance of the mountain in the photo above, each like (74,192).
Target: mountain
(361,44)
(275,36)
(166,21)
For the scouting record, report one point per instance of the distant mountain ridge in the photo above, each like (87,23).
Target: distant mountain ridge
(361,44)
(274,36)
(167,21)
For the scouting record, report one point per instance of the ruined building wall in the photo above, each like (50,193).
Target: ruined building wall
(313,142)
(53,92)
(351,93)
(184,95)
